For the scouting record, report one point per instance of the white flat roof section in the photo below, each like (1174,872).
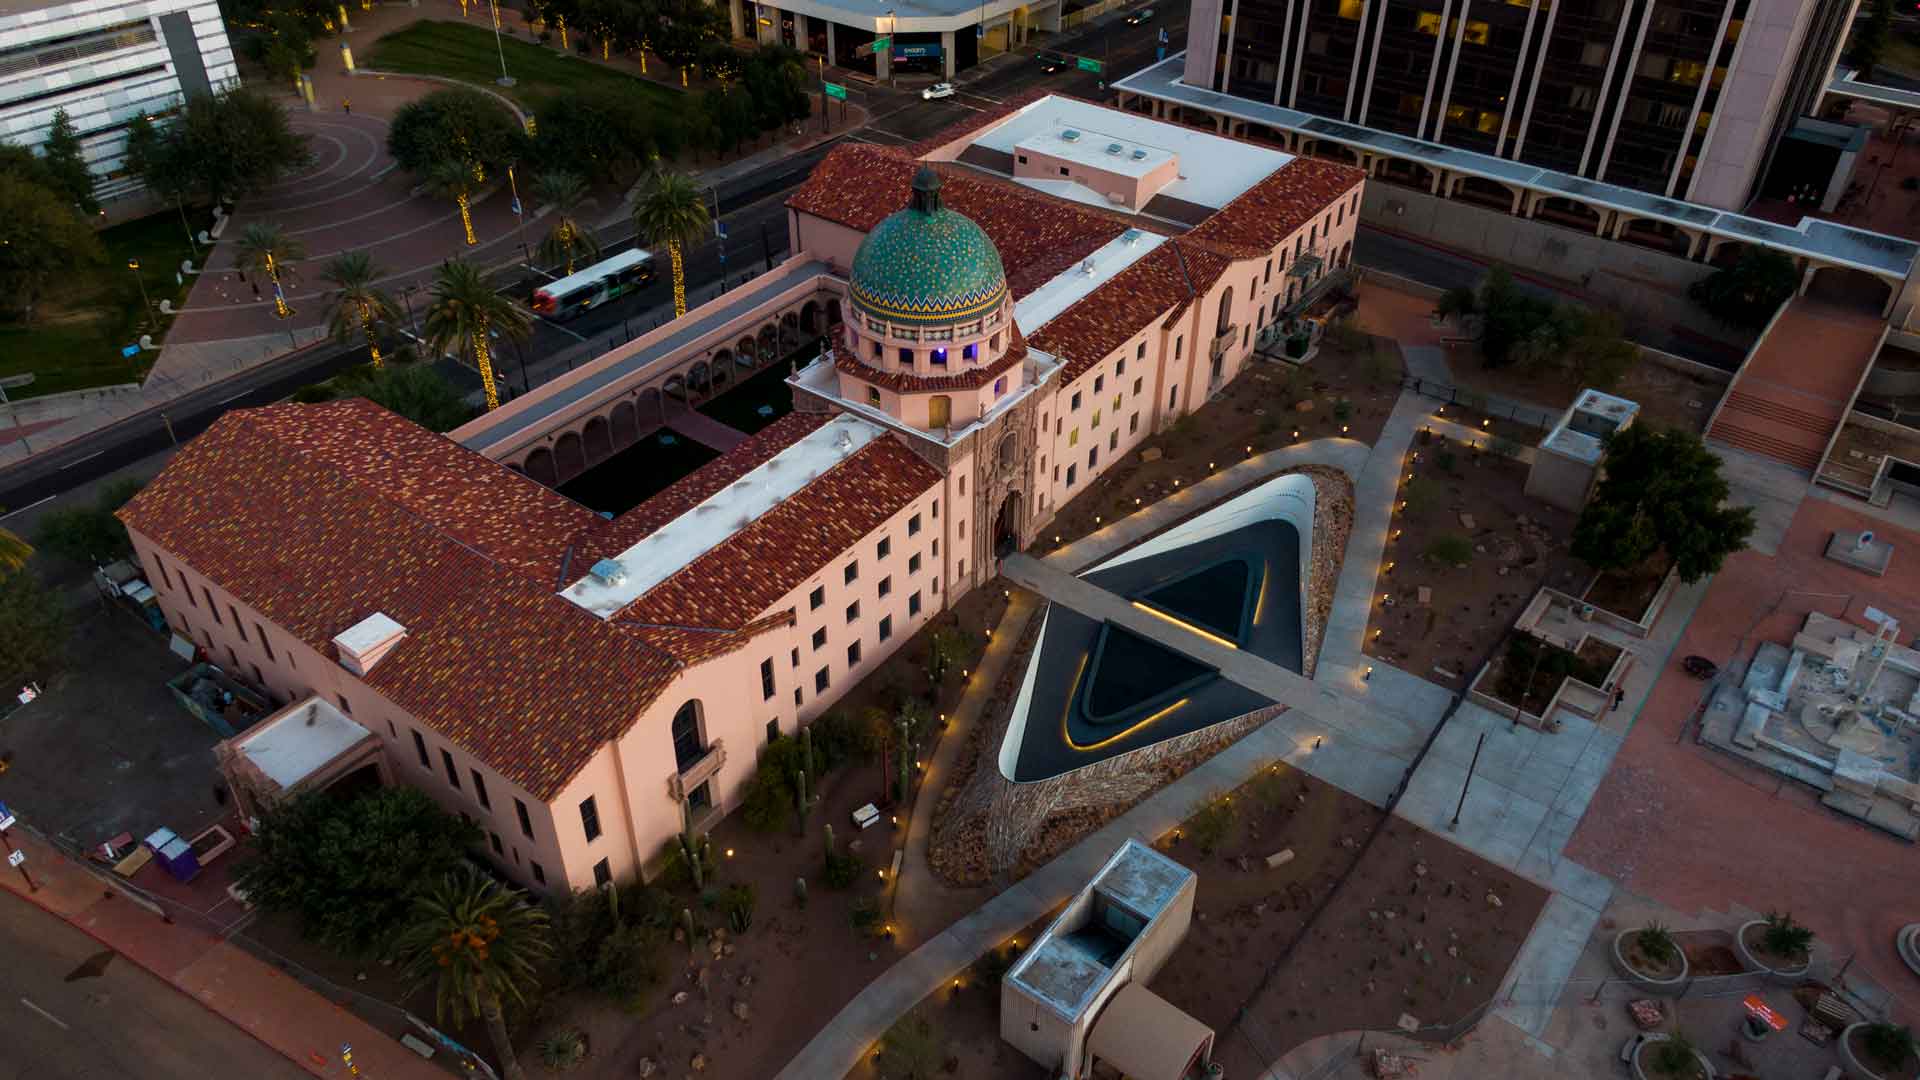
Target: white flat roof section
(1097,150)
(1069,287)
(368,633)
(1213,171)
(303,738)
(666,550)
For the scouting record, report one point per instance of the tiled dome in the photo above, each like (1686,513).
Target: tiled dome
(927,265)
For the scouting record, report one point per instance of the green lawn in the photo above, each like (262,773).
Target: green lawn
(460,51)
(93,313)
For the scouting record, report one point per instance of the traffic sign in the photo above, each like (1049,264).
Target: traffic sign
(1087,63)
(835,91)
(6,818)
(15,858)
(130,350)
(882,43)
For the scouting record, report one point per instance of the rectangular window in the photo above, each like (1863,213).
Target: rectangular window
(264,643)
(884,548)
(773,729)
(234,657)
(853,654)
(820,681)
(936,586)
(970,352)
(906,357)
(796,697)
(999,386)
(961,570)
(1096,419)
(963,530)
(1137,384)
(453,774)
(1073,437)
(913,604)
(913,564)
(345,705)
(766,678)
(526,823)
(1099,384)
(1120,368)
(851,574)
(937,356)
(936,509)
(886,585)
(796,657)
(1173,397)
(420,750)
(913,525)
(886,627)
(879,351)
(602,874)
(1117,402)
(1093,459)
(259,679)
(498,847)
(1269,274)
(162,567)
(1073,471)
(212,608)
(1113,441)
(188,590)
(936,548)
(873,396)
(237,627)
(963,487)
(817,597)
(1133,423)
(1177,343)
(590,818)
(480,789)
(819,637)
(1076,402)
(539,874)
(853,612)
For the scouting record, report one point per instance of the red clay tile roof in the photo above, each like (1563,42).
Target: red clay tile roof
(1270,211)
(320,515)
(749,572)
(1163,282)
(906,382)
(1038,236)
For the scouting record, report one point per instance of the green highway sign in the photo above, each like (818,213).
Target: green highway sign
(882,43)
(835,90)
(1087,64)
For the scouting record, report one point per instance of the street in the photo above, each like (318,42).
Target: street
(71,1010)
(752,207)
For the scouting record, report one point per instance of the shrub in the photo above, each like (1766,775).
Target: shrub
(837,740)
(994,964)
(1450,548)
(608,940)
(88,534)
(1447,460)
(675,872)
(1656,943)
(563,1049)
(738,903)
(912,1049)
(864,915)
(1271,787)
(1674,1055)
(1786,938)
(1504,446)
(1889,1045)
(1211,822)
(1342,410)
(841,870)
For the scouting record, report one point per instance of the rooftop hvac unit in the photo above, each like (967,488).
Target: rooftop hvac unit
(1131,237)
(1139,155)
(608,573)
(1070,135)
(1114,148)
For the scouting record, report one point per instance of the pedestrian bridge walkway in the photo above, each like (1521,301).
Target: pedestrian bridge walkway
(1791,395)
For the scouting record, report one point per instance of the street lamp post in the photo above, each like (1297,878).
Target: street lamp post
(505,79)
(406,297)
(146,306)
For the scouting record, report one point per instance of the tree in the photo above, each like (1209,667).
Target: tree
(223,145)
(40,236)
(90,534)
(1746,294)
(67,161)
(1508,317)
(481,946)
(360,304)
(453,180)
(464,314)
(349,868)
(14,553)
(1870,41)
(415,391)
(912,1049)
(1661,494)
(460,125)
(672,213)
(564,192)
(24,164)
(776,84)
(33,628)
(158,161)
(266,248)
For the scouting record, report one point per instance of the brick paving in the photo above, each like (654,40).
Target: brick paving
(1785,408)
(1694,829)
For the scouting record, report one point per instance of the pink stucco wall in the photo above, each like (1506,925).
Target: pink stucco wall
(1130,191)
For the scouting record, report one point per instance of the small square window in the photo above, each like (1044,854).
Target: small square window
(1073,472)
(1023,159)
(773,729)
(820,681)
(817,597)
(796,657)
(913,604)
(938,357)
(879,351)
(851,574)
(886,627)
(820,638)
(886,586)
(873,396)
(853,611)
(913,525)
(906,357)
(1136,386)
(853,654)
(1064,172)
(999,386)
(602,874)
(1099,383)
(539,874)
(913,563)
(884,548)
(498,847)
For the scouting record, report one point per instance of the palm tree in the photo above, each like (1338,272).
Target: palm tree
(672,213)
(454,180)
(564,191)
(463,314)
(360,304)
(14,552)
(267,248)
(481,945)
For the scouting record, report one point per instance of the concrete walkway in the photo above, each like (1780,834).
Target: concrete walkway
(917,893)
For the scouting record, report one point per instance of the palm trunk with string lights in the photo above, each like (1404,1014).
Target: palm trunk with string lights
(466,217)
(366,325)
(679,279)
(483,359)
(561,22)
(280,308)
(566,240)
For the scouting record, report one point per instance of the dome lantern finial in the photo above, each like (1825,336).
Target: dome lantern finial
(926,190)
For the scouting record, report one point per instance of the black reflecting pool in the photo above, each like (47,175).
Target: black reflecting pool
(1095,690)
(638,473)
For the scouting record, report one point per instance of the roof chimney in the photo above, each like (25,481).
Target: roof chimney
(366,642)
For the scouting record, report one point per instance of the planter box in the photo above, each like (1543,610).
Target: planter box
(1856,1069)
(1643,626)
(1641,1072)
(1907,943)
(1670,986)
(1752,958)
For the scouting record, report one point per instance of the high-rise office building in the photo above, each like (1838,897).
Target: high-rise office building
(1683,98)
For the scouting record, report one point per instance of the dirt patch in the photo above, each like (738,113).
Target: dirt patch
(1468,534)
(1667,396)
(1528,672)
(1626,594)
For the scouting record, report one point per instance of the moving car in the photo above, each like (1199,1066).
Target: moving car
(1052,62)
(1141,17)
(937,90)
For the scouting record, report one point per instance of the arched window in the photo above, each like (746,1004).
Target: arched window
(1225,322)
(687,744)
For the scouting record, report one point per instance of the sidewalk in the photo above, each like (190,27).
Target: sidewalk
(233,984)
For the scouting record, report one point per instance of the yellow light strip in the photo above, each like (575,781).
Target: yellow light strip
(1111,739)
(1184,625)
(1072,692)
(1260,605)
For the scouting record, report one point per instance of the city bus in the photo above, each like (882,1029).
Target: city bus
(589,288)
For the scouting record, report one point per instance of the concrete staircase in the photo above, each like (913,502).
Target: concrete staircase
(1796,386)
(1772,428)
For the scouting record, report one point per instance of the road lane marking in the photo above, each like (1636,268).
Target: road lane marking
(25,508)
(95,454)
(232,397)
(51,1019)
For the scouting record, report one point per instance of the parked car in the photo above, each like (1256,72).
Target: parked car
(1140,18)
(937,90)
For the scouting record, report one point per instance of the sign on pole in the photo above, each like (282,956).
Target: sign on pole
(16,858)
(835,91)
(6,818)
(882,43)
(1086,63)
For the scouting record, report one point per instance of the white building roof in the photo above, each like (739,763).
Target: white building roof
(289,747)
(614,583)
(1068,287)
(1213,170)
(1096,149)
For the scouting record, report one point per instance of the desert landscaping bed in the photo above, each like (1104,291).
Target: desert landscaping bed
(1667,396)
(1466,551)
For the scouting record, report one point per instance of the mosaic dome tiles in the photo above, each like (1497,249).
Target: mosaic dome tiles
(927,269)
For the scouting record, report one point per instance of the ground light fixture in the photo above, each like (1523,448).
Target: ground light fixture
(1367,676)
(729,853)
